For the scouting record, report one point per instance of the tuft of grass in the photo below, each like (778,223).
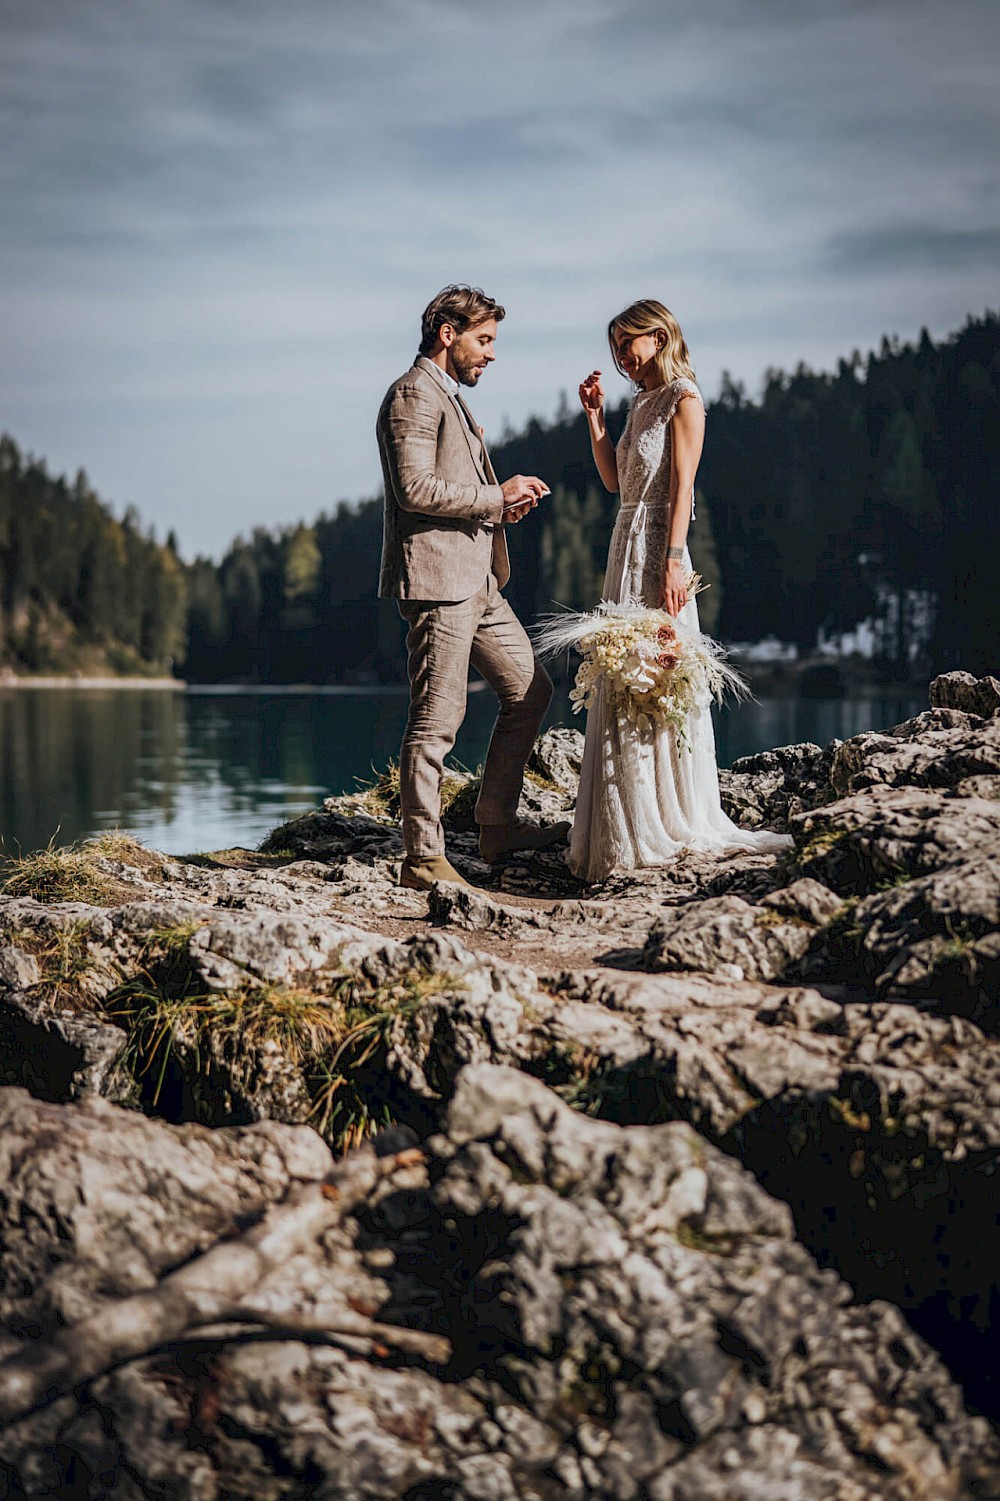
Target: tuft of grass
(380,798)
(69,970)
(117,845)
(543,783)
(65,873)
(957,947)
(696,1239)
(297,1021)
(345,1110)
(335,1037)
(896,876)
(459,795)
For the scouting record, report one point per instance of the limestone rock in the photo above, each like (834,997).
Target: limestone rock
(98,1202)
(807,900)
(61,1056)
(557,757)
(739,939)
(828,1018)
(765,790)
(924,864)
(726,935)
(598,1275)
(978,786)
(886,834)
(939,748)
(464,907)
(18,969)
(960,690)
(632,1315)
(331,832)
(938,937)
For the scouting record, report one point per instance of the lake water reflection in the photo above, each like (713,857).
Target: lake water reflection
(211,768)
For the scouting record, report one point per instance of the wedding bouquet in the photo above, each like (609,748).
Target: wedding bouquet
(653,670)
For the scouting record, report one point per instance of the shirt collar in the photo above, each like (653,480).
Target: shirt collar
(446,380)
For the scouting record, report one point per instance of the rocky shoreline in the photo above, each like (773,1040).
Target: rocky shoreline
(678,1188)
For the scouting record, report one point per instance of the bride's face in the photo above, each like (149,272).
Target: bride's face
(637,357)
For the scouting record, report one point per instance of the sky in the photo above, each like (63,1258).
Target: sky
(222,218)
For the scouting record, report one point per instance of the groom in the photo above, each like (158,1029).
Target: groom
(444,561)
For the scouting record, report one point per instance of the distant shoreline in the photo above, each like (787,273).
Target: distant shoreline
(14,681)
(768,680)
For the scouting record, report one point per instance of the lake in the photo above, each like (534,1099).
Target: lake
(214,767)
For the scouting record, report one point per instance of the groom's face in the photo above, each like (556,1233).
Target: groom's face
(472,351)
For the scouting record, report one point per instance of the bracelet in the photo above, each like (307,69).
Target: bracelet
(675,553)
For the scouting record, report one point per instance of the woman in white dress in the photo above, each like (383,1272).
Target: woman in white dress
(645,798)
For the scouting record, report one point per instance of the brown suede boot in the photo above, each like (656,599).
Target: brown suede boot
(499,839)
(420,875)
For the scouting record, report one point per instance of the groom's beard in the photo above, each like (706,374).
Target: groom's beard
(468,368)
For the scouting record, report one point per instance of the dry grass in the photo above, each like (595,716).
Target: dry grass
(380,798)
(335,1037)
(116,845)
(71,976)
(67,873)
(297,1021)
(543,783)
(72,872)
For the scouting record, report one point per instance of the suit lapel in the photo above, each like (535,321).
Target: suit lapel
(461,414)
(476,443)
(491,474)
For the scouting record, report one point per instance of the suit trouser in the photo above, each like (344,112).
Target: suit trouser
(441,642)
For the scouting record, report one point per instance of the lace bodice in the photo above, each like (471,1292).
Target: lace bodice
(643,452)
(638,552)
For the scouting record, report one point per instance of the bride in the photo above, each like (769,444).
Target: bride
(644,799)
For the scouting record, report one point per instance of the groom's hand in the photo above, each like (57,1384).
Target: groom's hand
(520,495)
(514,514)
(523,489)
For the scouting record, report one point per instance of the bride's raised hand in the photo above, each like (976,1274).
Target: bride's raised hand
(592,392)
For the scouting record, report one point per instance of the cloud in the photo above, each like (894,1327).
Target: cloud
(924,247)
(221,220)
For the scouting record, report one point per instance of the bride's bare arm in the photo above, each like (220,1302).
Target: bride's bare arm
(687,434)
(592,401)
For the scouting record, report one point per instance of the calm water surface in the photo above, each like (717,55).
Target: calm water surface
(212,768)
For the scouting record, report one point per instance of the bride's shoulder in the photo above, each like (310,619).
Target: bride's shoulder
(682,387)
(675,392)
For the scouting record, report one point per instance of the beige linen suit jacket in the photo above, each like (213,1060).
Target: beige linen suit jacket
(442,529)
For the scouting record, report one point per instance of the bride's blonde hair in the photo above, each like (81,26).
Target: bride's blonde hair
(650,317)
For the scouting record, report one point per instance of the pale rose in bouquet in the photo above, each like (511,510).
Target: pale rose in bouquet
(654,670)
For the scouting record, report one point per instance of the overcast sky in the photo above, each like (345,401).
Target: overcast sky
(220,219)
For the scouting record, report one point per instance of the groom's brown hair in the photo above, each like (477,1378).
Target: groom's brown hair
(461,306)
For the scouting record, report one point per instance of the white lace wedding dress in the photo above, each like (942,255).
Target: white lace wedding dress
(644,800)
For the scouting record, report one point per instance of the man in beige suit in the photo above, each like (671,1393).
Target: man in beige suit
(444,561)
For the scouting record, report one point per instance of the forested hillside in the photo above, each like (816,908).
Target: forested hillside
(831,499)
(79,590)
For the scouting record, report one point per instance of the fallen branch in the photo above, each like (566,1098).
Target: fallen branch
(360,1335)
(203,1292)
